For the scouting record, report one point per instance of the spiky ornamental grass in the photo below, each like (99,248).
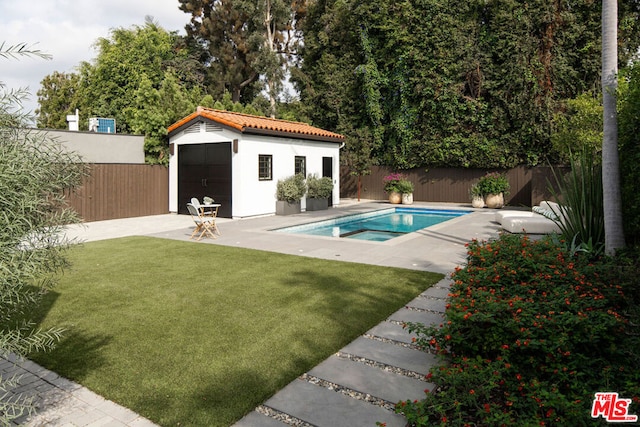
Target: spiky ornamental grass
(581,215)
(34,174)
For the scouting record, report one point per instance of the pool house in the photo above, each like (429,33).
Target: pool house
(237,159)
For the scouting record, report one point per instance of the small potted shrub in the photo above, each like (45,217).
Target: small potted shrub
(318,192)
(289,192)
(477,199)
(396,185)
(493,187)
(405,187)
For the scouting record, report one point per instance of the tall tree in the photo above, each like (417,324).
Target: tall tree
(327,79)
(478,88)
(57,97)
(123,59)
(154,109)
(106,86)
(131,60)
(247,41)
(270,61)
(224,30)
(612,201)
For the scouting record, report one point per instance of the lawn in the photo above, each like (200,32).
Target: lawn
(196,334)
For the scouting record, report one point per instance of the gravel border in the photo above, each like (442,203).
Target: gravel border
(283,417)
(383,366)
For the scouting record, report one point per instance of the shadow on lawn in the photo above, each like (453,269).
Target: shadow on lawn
(77,353)
(353,301)
(210,403)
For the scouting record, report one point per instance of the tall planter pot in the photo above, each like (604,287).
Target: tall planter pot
(407,198)
(314,204)
(395,198)
(287,208)
(494,201)
(477,202)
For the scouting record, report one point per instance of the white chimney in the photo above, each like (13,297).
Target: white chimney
(74,121)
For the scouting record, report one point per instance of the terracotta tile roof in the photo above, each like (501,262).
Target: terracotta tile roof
(247,123)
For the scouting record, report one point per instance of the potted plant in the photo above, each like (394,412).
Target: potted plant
(289,191)
(405,187)
(477,199)
(396,185)
(494,186)
(318,192)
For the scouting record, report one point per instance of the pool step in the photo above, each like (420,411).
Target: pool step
(382,234)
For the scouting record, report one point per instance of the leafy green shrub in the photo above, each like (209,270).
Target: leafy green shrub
(629,141)
(405,186)
(291,189)
(493,183)
(531,334)
(319,188)
(475,191)
(578,126)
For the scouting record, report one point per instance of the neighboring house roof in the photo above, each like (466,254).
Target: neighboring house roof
(247,123)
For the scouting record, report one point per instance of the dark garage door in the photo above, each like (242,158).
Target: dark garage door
(205,170)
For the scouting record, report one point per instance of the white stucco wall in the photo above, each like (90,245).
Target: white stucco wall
(258,197)
(250,196)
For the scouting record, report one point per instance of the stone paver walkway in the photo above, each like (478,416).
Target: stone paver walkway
(60,402)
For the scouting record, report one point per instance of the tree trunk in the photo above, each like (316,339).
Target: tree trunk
(269,45)
(612,201)
(272,99)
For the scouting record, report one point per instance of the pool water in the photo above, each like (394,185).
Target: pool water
(377,226)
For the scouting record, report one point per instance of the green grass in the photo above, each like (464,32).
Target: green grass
(196,334)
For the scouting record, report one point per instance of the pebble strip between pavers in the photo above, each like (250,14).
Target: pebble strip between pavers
(360,385)
(60,402)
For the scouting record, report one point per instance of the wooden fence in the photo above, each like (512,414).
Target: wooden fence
(113,191)
(528,185)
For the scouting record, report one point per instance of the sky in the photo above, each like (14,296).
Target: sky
(67,30)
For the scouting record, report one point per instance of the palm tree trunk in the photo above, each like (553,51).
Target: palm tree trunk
(614,234)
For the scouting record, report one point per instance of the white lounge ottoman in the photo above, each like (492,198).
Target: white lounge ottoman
(529,224)
(500,215)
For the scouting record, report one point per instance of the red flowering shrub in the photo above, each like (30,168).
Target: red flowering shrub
(531,334)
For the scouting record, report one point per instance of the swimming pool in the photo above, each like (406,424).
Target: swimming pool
(377,226)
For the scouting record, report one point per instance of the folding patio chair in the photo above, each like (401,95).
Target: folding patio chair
(205,225)
(211,212)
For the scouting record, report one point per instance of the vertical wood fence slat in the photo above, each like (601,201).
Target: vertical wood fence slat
(113,191)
